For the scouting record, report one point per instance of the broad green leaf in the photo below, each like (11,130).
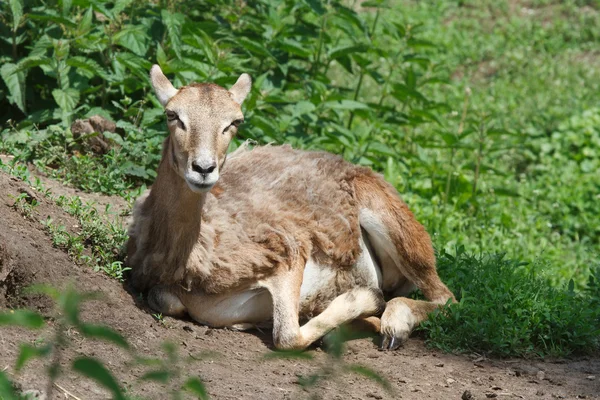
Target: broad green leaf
(52,18)
(345,50)
(265,124)
(88,65)
(403,92)
(26,318)
(16,8)
(500,191)
(157,376)
(66,6)
(345,105)
(15,81)
(294,47)
(27,352)
(120,6)
(48,290)
(352,18)
(103,332)
(134,38)
(135,64)
(369,373)
(196,386)
(382,149)
(173,22)
(419,43)
(289,354)
(86,21)
(95,370)
(374,4)
(6,388)
(316,6)
(66,99)
(345,62)
(253,46)
(31,62)
(135,170)
(161,56)
(303,107)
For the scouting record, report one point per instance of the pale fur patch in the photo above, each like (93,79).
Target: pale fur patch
(315,278)
(356,303)
(398,320)
(238,310)
(384,248)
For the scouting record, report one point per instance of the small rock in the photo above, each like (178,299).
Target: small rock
(467,395)
(188,328)
(491,395)
(33,394)
(374,395)
(591,377)
(541,375)
(496,388)
(450,381)
(540,393)
(439,365)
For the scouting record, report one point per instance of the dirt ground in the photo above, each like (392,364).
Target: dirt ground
(237,369)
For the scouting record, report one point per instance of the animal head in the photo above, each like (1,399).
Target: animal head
(202,120)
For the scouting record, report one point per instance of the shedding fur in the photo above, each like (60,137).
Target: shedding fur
(283,235)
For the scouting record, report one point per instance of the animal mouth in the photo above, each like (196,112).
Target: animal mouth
(200,187)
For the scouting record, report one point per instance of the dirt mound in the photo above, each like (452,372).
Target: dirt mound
(239,369)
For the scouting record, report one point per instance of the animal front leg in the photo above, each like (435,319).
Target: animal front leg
(285,293)
(358,302)
(165,300)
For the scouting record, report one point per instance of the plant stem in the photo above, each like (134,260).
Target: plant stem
(358,85)
(461,127)
(479,155)
(315,66)
(14,44)
(374,23)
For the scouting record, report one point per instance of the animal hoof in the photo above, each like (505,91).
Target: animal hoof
(389,343)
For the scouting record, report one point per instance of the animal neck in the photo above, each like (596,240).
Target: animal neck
(180,207)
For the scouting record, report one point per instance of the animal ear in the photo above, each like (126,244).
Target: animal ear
(163,88)
(242,87)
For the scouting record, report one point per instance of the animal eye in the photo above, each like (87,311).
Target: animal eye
(172,116)
(235,123)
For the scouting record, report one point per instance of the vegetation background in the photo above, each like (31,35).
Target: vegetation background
(484,114)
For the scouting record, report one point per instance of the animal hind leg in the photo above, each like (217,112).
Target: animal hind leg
(400,317)
(399,239)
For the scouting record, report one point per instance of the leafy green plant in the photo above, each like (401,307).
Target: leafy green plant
(69,303)
(490,135)
(505,309)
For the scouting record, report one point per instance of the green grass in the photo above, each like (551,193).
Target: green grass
(505,309)
(484,114)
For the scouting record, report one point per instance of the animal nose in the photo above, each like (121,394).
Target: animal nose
(204,168)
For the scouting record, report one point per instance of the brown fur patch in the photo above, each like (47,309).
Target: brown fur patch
(409,237)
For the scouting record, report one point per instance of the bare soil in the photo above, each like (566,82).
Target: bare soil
(237,368)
